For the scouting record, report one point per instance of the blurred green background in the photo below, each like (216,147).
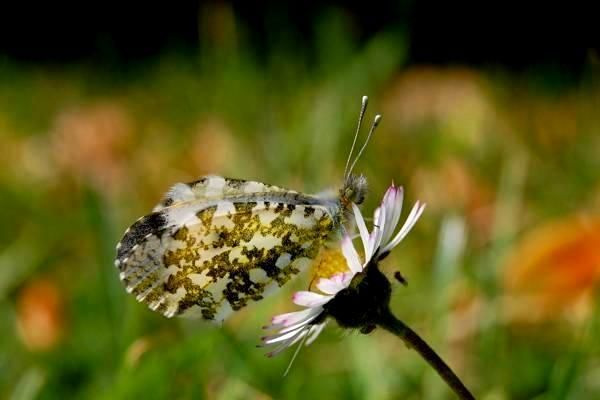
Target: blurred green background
(502,267)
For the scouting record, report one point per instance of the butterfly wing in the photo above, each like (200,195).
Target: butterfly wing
(214,187)
(210,257)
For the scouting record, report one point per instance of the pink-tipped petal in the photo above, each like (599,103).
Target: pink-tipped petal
(336,283)
(310,299)
(393,205)
(343,278)
(329,286)
(414,215)
(387,204)
(301,323)
(288,319)
(389,198)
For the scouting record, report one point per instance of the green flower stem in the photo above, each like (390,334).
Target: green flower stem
(392,324)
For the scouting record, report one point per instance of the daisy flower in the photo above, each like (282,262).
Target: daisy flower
(359,298)
(304,326)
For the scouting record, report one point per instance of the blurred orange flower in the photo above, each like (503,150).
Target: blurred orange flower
(90,143)
(212,148)
(136,350)
(545,122)
(455,185)
(40,315)
(553,271)
(455,98)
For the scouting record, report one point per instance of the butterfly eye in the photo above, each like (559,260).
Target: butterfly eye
(359,196)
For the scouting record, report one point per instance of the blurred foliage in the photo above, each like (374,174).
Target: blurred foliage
(502,268)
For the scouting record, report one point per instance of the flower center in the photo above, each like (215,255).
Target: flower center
(328,263)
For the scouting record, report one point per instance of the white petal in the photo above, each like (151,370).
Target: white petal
(362,227)
(351,255)
(393,205)
(379,216)
(375,238)
(330,286)
(372,235)
(387,203)
(310,299)
(279,349)
(343,278)
(414,215)
(316,331)
(288,319)
(289,342)
(336,283)
(281,337)
(346,278)
(302,323)
(300,336)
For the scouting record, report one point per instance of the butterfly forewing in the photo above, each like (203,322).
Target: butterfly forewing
(206,254)
(214,187)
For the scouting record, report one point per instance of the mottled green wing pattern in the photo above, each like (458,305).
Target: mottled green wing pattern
(207,258)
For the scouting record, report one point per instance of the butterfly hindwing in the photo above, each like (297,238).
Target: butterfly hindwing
(208,256)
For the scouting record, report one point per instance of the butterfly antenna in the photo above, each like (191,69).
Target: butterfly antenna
(373,126)
(363,108)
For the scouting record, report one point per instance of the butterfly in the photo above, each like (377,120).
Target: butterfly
(213,246)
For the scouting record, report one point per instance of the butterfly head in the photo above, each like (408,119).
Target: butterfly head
(354,190)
